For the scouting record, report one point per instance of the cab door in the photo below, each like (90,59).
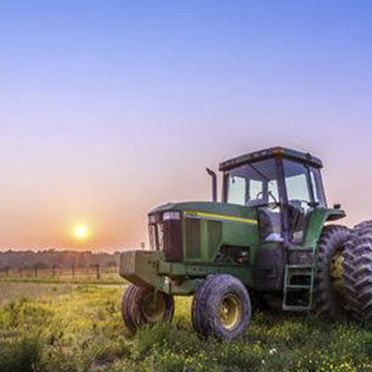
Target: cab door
(300,196)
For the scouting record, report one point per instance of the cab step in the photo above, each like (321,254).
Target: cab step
(298,287)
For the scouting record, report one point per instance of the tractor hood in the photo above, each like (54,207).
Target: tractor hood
(215,211)
(193,240)
(203,231)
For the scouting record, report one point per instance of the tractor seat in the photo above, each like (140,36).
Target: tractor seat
(271,225)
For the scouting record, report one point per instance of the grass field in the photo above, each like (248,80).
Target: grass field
(78,327)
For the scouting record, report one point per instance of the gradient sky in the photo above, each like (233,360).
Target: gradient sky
(108,108)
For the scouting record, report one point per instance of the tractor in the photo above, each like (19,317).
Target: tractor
(271,242)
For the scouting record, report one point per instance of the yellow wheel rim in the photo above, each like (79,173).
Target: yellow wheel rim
(337,271)
(230,311)
(154,307)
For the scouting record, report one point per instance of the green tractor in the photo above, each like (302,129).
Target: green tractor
(268,243)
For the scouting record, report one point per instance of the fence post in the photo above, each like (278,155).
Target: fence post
(7,271)
(20,272)
(35,270)
(73,271)
(54,271)
(98,272)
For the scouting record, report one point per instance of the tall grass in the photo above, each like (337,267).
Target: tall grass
(81,330)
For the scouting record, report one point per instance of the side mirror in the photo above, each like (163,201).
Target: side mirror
(337,206)
(214,184)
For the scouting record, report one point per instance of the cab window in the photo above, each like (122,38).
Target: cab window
(255,189)
(300,181)
(237,190)
(296,183)
(317,184)
(253,184)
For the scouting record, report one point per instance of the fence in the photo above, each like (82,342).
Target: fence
(96,272)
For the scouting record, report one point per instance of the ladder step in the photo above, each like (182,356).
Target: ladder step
(301,274)
(299,280)
(299,286)
(296,308)
(300,267)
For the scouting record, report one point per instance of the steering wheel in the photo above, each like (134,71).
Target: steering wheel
(270,193)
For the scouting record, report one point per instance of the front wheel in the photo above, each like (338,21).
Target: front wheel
(221,307)
(143,305)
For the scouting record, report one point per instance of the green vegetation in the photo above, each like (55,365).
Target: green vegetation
(78,278)
(78,327)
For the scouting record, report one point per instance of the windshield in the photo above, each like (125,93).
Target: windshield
(253,184)
(304,184)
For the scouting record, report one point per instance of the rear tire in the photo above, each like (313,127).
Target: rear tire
(221,307)
(327,299)
(361,296)
(352,305)
(144,305)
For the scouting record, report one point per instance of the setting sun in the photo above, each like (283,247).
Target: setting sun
(81,232)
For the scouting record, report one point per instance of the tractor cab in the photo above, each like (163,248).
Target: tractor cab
(283,185)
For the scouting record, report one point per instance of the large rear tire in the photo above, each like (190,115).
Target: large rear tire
(221,308)
(361,283)
(352,305)
(143,305)
(328,299)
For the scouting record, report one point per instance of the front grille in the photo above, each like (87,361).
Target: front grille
(172,240)
(166,236)
(193,238)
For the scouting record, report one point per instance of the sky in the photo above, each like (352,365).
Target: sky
(109,108)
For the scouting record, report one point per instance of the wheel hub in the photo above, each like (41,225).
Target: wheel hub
(230,311)
(337,271)
(154,307)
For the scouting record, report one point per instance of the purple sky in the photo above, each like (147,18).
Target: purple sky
(109,108)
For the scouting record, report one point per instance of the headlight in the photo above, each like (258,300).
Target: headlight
(153,218)
(171,216)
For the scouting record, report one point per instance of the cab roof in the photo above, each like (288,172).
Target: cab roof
(273,152)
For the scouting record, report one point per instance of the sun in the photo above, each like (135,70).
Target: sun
(81,232)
